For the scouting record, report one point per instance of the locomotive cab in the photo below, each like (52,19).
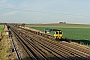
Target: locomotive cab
(58,34)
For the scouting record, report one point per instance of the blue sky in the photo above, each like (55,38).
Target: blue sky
(45,11)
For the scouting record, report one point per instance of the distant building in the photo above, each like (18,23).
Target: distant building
(62,22)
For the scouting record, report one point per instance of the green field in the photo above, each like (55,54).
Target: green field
(76,34)
(1,28)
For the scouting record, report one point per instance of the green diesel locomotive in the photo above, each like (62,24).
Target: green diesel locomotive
(58,34)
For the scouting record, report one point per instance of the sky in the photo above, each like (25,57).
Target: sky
(45,11)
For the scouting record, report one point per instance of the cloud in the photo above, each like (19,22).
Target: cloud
(3,0)
(6,4)
(10,13)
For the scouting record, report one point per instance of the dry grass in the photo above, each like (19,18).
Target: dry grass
(63,25)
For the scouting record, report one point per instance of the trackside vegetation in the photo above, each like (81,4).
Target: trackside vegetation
(5,44)
(1,28)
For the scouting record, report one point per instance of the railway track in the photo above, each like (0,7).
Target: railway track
(64,48)
(40,48)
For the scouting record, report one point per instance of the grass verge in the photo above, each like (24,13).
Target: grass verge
(4,47)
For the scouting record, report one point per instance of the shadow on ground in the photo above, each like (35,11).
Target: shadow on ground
(85,42)
(55,58)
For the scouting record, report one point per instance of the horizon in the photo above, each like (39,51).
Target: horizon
(46,23)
